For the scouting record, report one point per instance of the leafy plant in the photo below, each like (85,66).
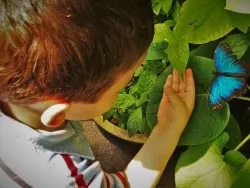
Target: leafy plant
(186,35)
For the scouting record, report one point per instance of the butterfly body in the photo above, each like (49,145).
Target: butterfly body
(229,77)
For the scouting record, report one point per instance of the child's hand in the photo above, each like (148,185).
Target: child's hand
(177,102)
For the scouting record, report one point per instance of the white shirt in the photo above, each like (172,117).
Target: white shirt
(44,159)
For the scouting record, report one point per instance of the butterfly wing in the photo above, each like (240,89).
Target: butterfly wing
(225,62)
(224,88)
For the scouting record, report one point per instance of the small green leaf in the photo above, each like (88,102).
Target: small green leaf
(139,71)
(124,101)
(234,132)
(235,159)
(209,170)
(242,180)
(241,6)
(156,6)
(166,5)
(203,21)
(108,114)
(238,43)
(135,121)
(116,116)
(241,21)
(156,51)
(144,82)
(133,89)
(176,12)
(143,99)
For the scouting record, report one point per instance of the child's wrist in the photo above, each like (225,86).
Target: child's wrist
(170,129)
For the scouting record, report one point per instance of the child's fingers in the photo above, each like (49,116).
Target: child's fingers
(176,80)
(169,81)
(182,86)
(168,84)
(173,97)
(190,85)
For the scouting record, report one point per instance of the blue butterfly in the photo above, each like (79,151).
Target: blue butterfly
(229,77)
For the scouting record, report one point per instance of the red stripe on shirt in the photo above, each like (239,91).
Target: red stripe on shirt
(123,180)
(78,178)
(107,180)
(70,164)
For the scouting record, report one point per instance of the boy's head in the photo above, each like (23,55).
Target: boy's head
(74,51)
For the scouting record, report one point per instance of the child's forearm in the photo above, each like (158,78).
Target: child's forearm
(147,166)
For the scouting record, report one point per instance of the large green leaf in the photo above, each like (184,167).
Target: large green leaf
(178,52)
(203,21)
(205,123)
(241,21)
(135,122)
(207,170)
(234,132)
(238,43)
(243,178)
(166,5)
(241,6)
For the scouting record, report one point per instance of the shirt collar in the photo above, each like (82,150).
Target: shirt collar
(69,140)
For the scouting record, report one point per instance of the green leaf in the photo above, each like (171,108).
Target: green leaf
(242,180)
(124,101)
(205,50)
(166,5)
(203,21)
(144,82)
(143,99)
(241,6)
(133,89)
(108,114)
(234,132)
(238,43)
(176,12)
(139,71)
(205,123)
(178,53)
(155,98)
(235,159)
(208,171)
(241,21)
(135,121)
(157,50)
(156,6)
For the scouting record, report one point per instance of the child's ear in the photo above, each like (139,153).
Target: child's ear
(54,116)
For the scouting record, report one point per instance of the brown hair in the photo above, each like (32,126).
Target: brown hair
(69,49)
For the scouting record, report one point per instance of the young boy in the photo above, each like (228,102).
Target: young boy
(67,60)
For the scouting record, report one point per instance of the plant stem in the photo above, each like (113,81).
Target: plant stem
(243,98)
(242,143)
